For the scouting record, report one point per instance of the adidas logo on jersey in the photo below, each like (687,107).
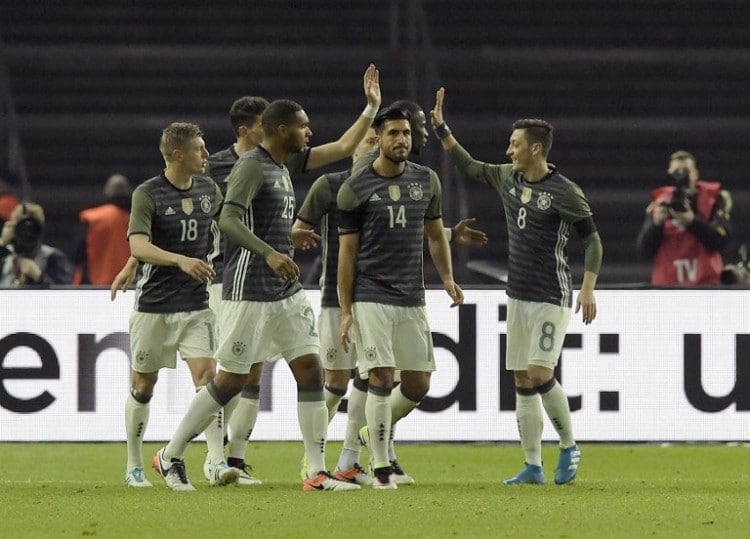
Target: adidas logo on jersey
(374,197)
(276,185)
(512,191)
(169,211)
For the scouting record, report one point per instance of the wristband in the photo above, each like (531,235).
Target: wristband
(442,131)
(370,111)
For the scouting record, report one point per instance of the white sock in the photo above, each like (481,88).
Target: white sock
(401,406)
(378,413)
(214,433)
(313,422)
(136,420)
(201,412)
(332,402)
(558,410)
(530,420)
(241,426)
(354,422)
(391,445)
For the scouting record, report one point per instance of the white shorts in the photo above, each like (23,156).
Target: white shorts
(536,332)
(391,336)
(256,331)
(334,357)
(155,338)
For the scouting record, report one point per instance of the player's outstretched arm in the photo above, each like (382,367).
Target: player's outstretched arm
(304,236)
(344,147)
(145,251)
(465,163)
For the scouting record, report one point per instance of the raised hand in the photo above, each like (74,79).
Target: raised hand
(372,86)
(436,114)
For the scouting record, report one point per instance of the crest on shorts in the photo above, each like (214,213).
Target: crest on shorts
(415,191)
(370,353)
(187,206)
(238,347)
(331,354)
(206,204)
(394,191)
(526,195)
(141,356)
(544,201)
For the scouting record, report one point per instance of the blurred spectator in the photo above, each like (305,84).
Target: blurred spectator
(24,259)
(103,249)
(8,200)
(687,226)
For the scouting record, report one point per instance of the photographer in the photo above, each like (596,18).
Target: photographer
(686,227)
(24,259)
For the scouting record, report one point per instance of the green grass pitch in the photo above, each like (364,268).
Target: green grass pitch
(638,490)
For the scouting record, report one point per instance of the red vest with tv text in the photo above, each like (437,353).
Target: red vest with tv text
(681,258)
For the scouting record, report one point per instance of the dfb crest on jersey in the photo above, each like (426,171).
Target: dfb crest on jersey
(544,201)
(206,204)
(526,195)
(187,206)
(415,191)
(394,191)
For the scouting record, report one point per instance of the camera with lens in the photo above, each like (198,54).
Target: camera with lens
(681,180)
(27,234)
(738,273)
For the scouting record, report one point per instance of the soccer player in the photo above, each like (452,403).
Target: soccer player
(319,208)
(541,206)
(245,115)
(168,232)
(405,398)
(387,209)
(265,312)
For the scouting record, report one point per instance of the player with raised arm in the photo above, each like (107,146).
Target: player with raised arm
(541,207)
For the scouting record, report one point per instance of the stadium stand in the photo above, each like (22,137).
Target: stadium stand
(625,84)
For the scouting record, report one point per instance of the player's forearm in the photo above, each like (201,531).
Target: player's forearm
(593,254)
(342,148)
(230,223)
(345,278)
(147,252)
(440,253)
(589,281)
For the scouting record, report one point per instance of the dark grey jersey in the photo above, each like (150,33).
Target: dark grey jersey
(539,216)
(265,190)
(219,166)
(177,221)
(389,215)
(319,208)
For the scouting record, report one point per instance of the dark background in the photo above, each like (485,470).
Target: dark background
(625,83)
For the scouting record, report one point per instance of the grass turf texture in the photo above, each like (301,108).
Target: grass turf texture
(74,490)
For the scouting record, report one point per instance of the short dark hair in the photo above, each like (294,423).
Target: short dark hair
(537,131)
(386,115)
(246,110)
(279,112)
(409,107)
(175,135)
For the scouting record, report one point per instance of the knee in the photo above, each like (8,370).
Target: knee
(144,383)
(415,385)
(308,371)
(337,379)
(255,374)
